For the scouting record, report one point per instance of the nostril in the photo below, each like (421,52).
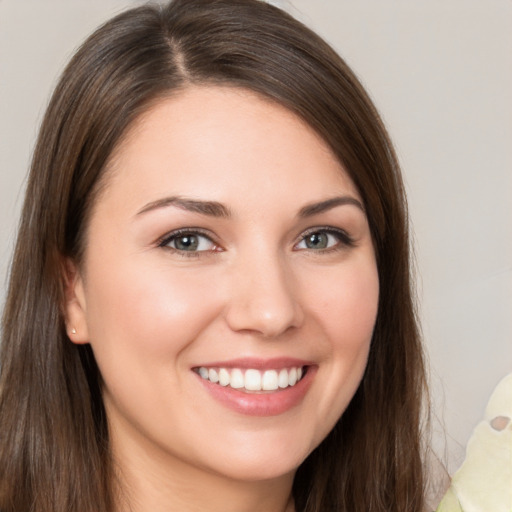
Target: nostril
(500,422)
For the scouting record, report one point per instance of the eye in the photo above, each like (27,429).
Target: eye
(324,239)
(188,242)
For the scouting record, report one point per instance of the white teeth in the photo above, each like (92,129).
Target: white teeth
(223,377)
(282,379)
(292,376)
(252,380)
(269,380)
(237,379)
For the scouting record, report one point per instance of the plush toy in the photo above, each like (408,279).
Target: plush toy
(484,481)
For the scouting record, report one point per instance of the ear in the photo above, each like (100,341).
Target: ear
(75,307)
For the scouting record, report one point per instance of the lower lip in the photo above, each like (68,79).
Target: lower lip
(261,404)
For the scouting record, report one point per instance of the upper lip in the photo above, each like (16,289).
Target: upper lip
(257,363)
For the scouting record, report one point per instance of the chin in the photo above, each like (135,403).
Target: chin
(261,470)
(263,461)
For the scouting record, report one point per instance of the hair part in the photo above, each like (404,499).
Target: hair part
(54,443)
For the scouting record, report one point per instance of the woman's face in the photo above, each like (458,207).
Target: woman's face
(228,252)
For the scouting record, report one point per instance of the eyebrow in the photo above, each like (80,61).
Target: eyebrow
(216,209)
(210,208)
(323,206)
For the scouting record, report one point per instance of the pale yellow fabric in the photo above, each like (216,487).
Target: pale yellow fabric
(484,481)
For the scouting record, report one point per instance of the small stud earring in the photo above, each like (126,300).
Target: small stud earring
(73,331)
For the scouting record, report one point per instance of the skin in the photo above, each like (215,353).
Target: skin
(254,289)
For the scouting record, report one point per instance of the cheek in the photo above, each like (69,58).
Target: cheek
(147,309)
(346,311)
(347,305)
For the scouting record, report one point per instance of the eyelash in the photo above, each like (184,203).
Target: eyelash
(344,240)
(174,235)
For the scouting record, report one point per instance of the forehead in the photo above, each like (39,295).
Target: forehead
(223,141)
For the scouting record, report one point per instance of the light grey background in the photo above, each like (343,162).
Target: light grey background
(441,74)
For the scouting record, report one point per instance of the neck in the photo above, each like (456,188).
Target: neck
(150,482)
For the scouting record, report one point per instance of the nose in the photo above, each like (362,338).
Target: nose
(264,298)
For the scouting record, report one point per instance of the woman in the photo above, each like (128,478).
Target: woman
(210,301)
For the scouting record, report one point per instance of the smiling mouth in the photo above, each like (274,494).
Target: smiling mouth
(253,380)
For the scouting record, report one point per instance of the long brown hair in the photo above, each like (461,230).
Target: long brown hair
(54,440)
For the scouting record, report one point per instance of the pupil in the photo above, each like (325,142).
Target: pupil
(187,243)
(317,241)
